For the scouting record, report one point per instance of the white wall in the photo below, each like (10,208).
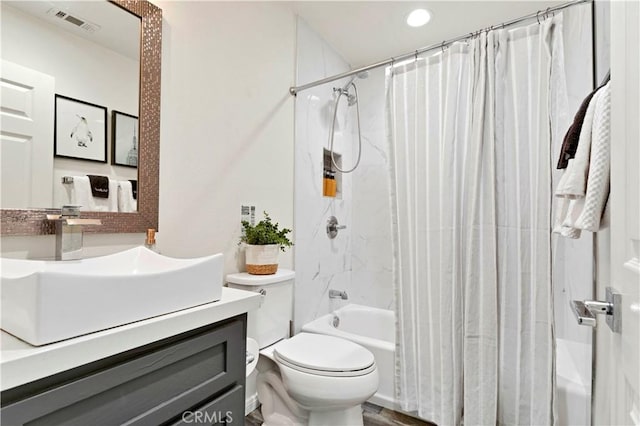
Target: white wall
(226,130)
(104,78)
(359,259)
(321,264)
(372,260)
(226,125)
(573,259)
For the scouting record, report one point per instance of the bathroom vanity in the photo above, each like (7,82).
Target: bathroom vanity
(179,368)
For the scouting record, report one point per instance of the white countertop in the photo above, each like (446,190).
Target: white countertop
(22,363)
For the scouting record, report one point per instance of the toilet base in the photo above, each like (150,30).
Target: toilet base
(278,409)
(350,416)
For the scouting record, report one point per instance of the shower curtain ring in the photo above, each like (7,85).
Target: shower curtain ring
(416,55)
(442,46)
(538,16)
(546,14)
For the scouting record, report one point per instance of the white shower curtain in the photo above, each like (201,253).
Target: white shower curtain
(470,133)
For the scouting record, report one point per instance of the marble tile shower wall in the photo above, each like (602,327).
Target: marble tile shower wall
(351,261)
(371,252)
(320,263)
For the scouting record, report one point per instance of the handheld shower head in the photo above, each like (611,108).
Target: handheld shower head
(352,99)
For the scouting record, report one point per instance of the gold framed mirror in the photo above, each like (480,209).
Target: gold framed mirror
(33,221)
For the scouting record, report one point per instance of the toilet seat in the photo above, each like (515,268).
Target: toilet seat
(324,355)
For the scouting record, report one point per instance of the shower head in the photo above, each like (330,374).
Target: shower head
(361,75)
(352,99)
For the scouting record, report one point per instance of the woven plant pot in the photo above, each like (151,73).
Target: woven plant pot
(262,260)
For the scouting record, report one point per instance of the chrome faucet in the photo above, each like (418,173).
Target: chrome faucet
(337,294)
(69,232)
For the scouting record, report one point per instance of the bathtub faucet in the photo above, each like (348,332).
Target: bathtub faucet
(337,294)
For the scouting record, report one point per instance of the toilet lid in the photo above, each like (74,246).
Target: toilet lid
(321,353)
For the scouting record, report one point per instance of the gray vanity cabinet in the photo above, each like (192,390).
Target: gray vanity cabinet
(194,378)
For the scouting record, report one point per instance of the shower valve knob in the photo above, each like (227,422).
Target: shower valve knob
(333,227)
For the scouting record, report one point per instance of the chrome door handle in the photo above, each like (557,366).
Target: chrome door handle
(586,311)
(583,314)
(598,307)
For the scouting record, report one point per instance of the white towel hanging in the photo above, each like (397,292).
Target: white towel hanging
(599,166)
(573,182)
(126,202)
(80,195)
(584,187)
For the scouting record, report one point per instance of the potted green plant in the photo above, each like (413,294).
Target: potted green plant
(263,243)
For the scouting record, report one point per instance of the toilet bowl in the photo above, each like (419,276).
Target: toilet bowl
(307,379)
(315,379)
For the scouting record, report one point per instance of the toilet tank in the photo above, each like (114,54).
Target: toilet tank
(270,322)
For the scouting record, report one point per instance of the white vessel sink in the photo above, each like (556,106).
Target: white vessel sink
(48,301)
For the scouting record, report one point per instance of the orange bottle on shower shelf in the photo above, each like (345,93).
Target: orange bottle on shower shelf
(332,185)
(325,183)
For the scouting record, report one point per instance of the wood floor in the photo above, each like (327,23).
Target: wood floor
(372,416)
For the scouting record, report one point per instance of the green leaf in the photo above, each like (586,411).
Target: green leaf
(265,232)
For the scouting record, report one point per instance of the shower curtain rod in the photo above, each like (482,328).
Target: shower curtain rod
(541,13)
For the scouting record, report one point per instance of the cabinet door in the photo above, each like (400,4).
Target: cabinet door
(226,409)
(150,388)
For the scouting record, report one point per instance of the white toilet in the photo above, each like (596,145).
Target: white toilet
(309,378)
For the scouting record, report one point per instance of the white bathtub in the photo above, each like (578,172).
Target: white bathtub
(573,383)
(372,328)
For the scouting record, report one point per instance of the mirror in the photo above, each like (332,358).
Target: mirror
(22,221)
(84,55)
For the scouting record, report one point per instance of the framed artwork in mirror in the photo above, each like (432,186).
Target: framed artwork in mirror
(124,139)
(80,130)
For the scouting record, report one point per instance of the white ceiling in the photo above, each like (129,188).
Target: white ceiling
(364,32)
(119,29)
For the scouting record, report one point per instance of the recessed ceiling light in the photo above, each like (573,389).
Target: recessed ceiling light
(418,18)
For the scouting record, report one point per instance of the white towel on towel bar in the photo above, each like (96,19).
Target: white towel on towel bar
(80,192)
(126,202)
(584,188)
(573,182)
(80,195)
(599,166)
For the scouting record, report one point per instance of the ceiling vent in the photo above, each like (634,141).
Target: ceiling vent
(87,26)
